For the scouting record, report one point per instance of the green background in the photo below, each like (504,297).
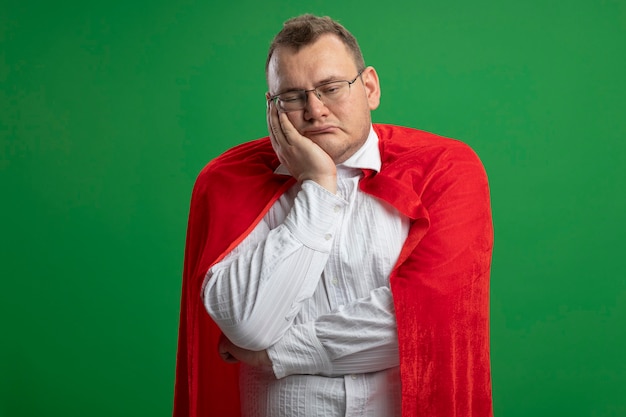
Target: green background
(109,110)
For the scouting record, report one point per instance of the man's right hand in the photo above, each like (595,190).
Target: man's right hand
(304,159)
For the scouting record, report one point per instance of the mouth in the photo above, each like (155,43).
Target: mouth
(319,130)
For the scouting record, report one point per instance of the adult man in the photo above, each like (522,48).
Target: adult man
(345,264)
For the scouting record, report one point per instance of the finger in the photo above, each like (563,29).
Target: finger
(268,117)
(276,118)
(227,357)
(288,130)
(272,125)
(224,347)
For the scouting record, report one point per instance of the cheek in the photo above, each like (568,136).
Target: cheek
(355,118)
(295,118)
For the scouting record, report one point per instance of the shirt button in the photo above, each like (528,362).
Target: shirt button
(353,376)
(337,208)
(334,281)
(328,236)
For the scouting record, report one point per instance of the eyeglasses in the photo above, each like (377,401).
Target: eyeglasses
(328,93)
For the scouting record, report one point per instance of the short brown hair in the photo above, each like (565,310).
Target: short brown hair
(305,29)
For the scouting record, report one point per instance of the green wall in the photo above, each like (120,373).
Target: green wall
(109,110)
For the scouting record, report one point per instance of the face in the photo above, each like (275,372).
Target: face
(339,128)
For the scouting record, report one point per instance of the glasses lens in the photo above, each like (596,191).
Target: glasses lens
(292,100)
(333,91)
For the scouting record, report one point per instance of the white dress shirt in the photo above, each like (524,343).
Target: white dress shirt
(310,284)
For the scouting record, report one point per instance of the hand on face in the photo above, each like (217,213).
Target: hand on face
(304,159)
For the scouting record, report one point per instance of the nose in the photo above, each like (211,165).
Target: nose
(314,107)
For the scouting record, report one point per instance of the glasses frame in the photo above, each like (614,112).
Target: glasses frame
(305,93)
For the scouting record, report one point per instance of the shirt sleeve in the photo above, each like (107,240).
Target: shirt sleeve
(360,337)
(254,294)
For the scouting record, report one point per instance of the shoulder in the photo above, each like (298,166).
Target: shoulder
(240,163)
(404,147)
(399,142)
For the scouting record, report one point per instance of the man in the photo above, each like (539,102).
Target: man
(344,266)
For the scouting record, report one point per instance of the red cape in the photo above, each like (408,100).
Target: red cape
(440,284)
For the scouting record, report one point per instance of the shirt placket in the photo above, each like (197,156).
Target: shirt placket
(356,394)
(332,275)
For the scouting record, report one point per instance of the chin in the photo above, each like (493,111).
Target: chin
(324,140)
(339,155)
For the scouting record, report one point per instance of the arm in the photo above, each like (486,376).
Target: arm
(361,337)
(255,292)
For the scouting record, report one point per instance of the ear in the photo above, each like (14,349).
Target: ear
(372,87)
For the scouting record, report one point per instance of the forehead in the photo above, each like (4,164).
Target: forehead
(325,59)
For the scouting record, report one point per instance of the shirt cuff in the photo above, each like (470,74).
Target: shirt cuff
(315,216)
(300,352)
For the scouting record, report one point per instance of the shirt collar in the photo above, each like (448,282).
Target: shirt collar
(366,157)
